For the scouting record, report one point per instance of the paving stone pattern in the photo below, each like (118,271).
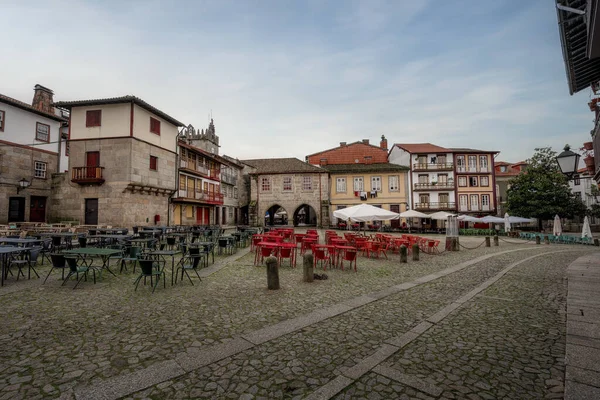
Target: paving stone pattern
(55,339)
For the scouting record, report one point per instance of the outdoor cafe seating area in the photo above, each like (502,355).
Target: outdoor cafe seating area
(333,250)
(149,253)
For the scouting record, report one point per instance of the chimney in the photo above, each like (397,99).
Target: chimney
(342,144)
(383,143)
(43,99)
(365,141)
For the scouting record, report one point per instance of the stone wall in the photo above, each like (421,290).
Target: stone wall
(317,198)
(16,163)
(125,161)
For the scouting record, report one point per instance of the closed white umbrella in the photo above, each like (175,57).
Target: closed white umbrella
(557,228)
(586,232)
(506,223)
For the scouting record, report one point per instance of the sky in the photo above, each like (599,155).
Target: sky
(292,78)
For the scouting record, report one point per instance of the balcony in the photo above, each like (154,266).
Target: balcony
(435,206)
(215,174)
(434,186)
(229,178)
(473,170)
(87,175)
(433,167)
(200,196)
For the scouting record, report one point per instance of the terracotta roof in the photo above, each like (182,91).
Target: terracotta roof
(497,163)
(281,166)
(521,163)
(118,100)
(346,145)
(467,150)
(422,148)
(379,167)
(28,107)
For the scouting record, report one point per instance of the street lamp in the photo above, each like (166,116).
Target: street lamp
(23,184)
(568,162)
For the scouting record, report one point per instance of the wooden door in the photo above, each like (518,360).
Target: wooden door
(207,216)
(37,209)
(199,215)
(91,211)
(16,209)
(395,222)
(92,160)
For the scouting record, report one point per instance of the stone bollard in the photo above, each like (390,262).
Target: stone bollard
(415,251)
(546,240)
(307,265)
(487,241)
(537,240)
(272,273)
(403,254)
(596,242)
(496,241)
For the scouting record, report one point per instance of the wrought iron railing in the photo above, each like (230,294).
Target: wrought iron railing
(435,206)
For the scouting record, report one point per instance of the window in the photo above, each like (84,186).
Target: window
(230,213)
(42,132)
(235,193)
(265,184)
(460,163)
(67,148)
(485,202)
(473,181)
(307,183)
(441,159)
(181,182)
(40,169)
(154,126)
(503,168)
(93,118)
(358,184)
(442,179)
(393,183)
(576,180)
(462,181)
(463,202)
(474,202)
(340,185)
(444,198)
(483,163)
(424,198)
(472,163)
(287,183)
(424,179)
(153,163)
(484,181)
(2,118)
(376,183)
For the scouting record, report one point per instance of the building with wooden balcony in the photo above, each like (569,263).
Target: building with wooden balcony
(359,172)
(208,192)
(122,163)
(475,181)
(32,148)
(431,176)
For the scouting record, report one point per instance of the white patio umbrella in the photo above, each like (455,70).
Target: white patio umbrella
(557,229)
(413,214)
(506,222)
(364,213)
(440,215)
(586,232)
(469,218)
(490,219)
(518,220)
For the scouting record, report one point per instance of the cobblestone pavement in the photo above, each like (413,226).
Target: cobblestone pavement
(55,339)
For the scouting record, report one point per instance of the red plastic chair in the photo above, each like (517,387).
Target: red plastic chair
(320,254)
(289,253)
(350,256)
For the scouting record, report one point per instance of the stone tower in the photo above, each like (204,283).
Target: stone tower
(205,140)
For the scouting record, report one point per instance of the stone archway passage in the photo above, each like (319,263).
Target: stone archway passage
(276,215)
(305,215)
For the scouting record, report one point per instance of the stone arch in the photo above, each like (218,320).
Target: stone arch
(276,214)
(306,215)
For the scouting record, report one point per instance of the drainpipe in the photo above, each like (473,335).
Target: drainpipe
(320,203)
(257,202)
(176,178)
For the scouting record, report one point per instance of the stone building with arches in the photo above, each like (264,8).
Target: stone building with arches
(287,191)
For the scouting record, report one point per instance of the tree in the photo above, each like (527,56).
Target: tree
(542,191)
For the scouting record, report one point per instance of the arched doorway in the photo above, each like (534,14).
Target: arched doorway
(305,215)
(276,215)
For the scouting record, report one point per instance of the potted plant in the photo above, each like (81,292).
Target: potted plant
(592,104)
(588,146)
(589,161)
